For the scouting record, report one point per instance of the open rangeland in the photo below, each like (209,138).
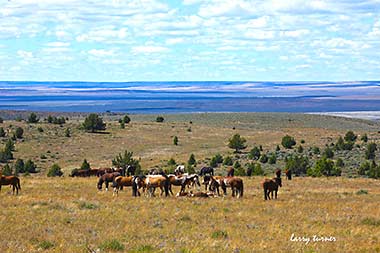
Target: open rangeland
(63,214)
(70,215)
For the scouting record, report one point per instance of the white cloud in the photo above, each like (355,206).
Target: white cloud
(149,49)
(260,35)
(173,41)
(24,54)
(295,33)
(58,44)
(101,52)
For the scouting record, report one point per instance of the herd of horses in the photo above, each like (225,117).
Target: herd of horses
(120,178)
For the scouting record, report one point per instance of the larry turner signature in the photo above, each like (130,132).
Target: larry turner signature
(314,238)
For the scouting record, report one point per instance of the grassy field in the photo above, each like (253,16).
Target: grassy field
(69,214)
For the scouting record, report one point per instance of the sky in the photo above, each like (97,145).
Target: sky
(189,40)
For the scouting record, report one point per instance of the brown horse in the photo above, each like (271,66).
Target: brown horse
(214,182)
(10,180)
(80,173)
(288,174)
(107,178)
(278,173)
(236,184)
(151,182)
(119,182)
(93,172)
(102,171)
(270,186)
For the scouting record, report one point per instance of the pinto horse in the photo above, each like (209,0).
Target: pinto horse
(270,186)
(119,182)
(107,178)
(11,180)
(179,170)
(183,181)
(151,182)
(214,182)
(206,170)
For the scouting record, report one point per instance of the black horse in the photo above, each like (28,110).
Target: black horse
(131,169)
(206,170)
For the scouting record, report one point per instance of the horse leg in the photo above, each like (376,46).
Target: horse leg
(272,193)
(265,194)
(233,191)
(275,194)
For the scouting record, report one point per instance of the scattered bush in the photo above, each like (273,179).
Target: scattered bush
(19,133)
(316,150)
(219,234)
(85,165)
(33,118)
(123,160)
(172,162)
(324,167)
(30,167)
(191,160)
(328,153)
(2,132)
(255,169)
(19,166)
(364,138)
(175,140)
(46,245)
(370,151)
(339,163)
(112,245)
(1,120)
(55,120)
(67,132)
(350,137)
(40,129)
(228,161)
(297,164)
(217,159)
(55,171)
(160,119)
(94,123)
(237,143)
(288,142)
(7,170)
(264,158)
(300,149)
(254,153)
(272,159)
(362,192)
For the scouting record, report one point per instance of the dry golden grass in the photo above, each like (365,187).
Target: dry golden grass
(68,214)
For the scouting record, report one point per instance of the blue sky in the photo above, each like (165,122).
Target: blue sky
(189,40)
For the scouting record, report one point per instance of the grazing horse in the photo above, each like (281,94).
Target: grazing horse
(151,182)
(179,170)
(80,173)
(107,178)
(270,186)
(10,180)
(119,182)
(214,182)
(206,170)
(288,174)
(231,172)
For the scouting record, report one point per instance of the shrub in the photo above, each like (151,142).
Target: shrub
(55,171)
(324,167)
(350,137)
(254,153)
(85,165)
(2,132)
(30,167)
(264,158)
(374,172)
(123,160)
(364,168)
(160,119)
(316,150)
(94,123)
(40,129)
(362,192)
(297,164)
(237,143)
(126,119)
(370,151)
(272,159)
(19,166)
(122,125)
(215,160)
(67,132)
(256,169)
(112,245)
(302,141)
(33,118)
(339,163)
(364,138)
(278,148)
(7,170)
(175,140)
(1,120)
(172,162)
(46,245)
(228,161)
(190,169)
(300,149)
(219,234)
(19,133)
(288,142)
(191,160)
(10,145)
(237,165)
(328,153)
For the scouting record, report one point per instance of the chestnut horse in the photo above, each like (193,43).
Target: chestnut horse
(10,180)
(107,178)
(119,182)
(151,182)
(270,186)
(236,184)
(80,173)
